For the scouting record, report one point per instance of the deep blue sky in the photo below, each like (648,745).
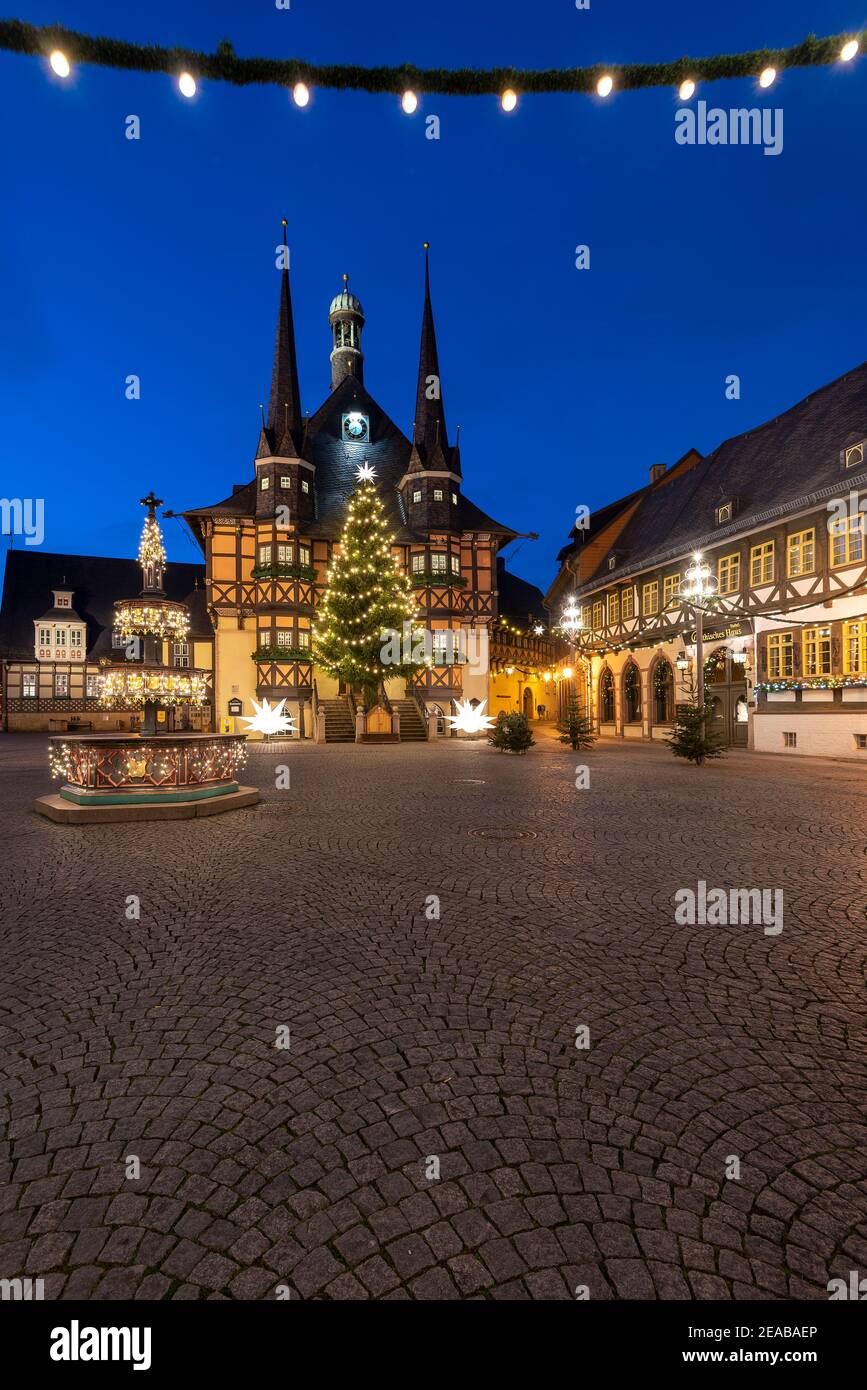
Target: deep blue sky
(157,257)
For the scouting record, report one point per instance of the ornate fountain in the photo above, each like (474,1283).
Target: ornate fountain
(159,773)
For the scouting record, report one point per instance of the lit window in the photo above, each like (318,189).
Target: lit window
(91,687)
(817,651)
(264,554)
(75,637)
(118,640)
(454,499)
(781,655)
(627,603)
(182,653)
(612,561)
(284,554)
(597,615)
(61,684)
(303,639)
(456,564)
(416,496)
(853,457)
(790,740)
(670,588)
(285,480)
(265,482)
(438,494)
(284,637)
(729,574)
(613,608)
(847,540)
(762,563)
(304,554)
(60,637)
(586,616)
(650,597)
(802,552)
(437,563)
(28,685)
(855,647)
(45,637)
(418,564)
(305,486)
(724,513)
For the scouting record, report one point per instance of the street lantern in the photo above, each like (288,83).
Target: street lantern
(698,590)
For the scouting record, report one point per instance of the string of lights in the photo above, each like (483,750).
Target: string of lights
(64,48)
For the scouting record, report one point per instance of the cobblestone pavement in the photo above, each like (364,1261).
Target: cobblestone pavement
(452,1039)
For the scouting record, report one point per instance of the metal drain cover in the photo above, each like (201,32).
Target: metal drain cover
(504,834)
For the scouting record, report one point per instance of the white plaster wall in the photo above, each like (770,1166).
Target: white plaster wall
(831,737)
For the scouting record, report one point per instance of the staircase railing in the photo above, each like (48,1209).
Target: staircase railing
(350,695)
(383,699)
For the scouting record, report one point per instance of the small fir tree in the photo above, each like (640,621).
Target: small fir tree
(511,733)
(368,593)
(576,728)
(693,736)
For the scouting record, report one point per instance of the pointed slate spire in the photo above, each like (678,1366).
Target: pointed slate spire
(284,403)
(429,430)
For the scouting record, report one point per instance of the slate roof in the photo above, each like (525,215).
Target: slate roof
(790,462)
(517,598)
(97,582)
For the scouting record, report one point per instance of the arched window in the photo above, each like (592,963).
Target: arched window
(663,692)
(632,693)
(715,667)
(606,697)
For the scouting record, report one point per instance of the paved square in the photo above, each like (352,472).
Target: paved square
(415,1040)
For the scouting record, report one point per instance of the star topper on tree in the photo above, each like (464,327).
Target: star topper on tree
(365,473)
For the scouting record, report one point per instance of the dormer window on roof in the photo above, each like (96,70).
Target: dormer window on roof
(724,512)
(853,456)
(612,561)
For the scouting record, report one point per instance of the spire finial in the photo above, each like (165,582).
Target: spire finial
(345,281)
(284,225)
(151,502)
(262,413)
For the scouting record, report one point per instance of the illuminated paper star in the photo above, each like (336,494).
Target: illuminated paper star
(365,472)
(268,720)
(470,719)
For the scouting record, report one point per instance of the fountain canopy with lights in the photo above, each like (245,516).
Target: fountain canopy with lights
(160,772)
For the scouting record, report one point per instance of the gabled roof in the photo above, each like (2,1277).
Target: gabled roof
(96,581)
(517,598)
(778,467)
(429,427)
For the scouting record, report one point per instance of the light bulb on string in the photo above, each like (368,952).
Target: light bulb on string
(187,84)
(59,63)
(301,94)
(409,102)
(686,90)
(605,85)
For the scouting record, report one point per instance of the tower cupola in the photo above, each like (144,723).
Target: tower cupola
(346,318)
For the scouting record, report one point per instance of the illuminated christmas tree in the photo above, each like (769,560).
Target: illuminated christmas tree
(368,598)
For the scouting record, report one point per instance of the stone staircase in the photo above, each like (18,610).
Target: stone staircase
(339,724)
(412,725)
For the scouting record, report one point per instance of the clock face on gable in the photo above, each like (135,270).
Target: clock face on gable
(356,427)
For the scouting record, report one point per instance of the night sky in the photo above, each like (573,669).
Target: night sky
(156,257)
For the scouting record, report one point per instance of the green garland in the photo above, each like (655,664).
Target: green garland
(225,66)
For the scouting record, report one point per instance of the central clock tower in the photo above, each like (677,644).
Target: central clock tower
(346,318)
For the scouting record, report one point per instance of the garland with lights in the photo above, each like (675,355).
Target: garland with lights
(224,65)
(815,683)
(367,593)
